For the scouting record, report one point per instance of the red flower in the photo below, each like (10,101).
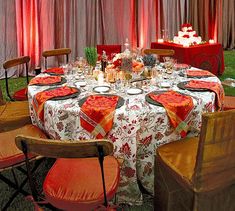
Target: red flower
(125,149)
(146,141)
(186,36)
(117,63)
(129,172)
(186,25)
(189,30)
(112,138)
(195,35)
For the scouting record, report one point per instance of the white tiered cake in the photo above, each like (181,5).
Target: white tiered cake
(187,36)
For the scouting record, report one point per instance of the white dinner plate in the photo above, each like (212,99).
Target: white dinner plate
(101,89)
(165,84)
(134,91)
(80,83)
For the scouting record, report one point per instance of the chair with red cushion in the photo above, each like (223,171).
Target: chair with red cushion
(22,93)
(83,177)
(109,49)
(12,160)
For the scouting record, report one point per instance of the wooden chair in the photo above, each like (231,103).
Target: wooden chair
(77,180)
(109,49)
(22,93)
(12,161)
(198,173)
(56,52)
(13,114)
(160,52)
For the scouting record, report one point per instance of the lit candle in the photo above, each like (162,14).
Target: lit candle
(185,45)
(160,40)
(100,78)
(211,41)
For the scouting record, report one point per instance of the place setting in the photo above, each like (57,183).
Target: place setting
(47,81)
(194,73)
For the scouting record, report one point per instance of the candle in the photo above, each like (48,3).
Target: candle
(185,45)
(211,41)
(100,78)
(160,40)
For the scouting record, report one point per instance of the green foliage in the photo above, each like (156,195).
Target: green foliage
(91,55)
(229,60)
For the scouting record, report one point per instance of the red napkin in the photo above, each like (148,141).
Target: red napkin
(41,97)
(55,70)
(195,73)
(178,108)
(213,86)
(97,114)
(45,80)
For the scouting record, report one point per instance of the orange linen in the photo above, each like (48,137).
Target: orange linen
(195,73)
(41,97)
(178,108)
(213,86)
(97,114)
(45,80)
(55,70)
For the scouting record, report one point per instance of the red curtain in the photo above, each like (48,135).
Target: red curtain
(27,26)
(49,24)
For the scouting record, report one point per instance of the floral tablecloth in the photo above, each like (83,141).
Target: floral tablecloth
(138,129)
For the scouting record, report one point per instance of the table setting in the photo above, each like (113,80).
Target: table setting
(137,110)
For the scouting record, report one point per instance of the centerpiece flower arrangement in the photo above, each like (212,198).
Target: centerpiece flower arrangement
(125,64)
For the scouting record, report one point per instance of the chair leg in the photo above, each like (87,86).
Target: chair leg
(15,185)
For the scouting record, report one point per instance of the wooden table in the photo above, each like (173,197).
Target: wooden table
(204,56)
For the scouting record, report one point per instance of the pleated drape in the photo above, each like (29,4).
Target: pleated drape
(32,26)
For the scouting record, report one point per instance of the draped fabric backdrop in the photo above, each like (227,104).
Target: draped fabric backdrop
(32,26)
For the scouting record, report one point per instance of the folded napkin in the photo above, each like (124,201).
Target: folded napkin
(45,80)
(178,108)
(213,86)
(181,66)
(196,73)
(40,98)
(96,114)
(55,70)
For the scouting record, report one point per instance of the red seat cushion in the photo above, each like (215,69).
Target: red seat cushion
(76,184)
(229,103)
(21,94)
(9,153)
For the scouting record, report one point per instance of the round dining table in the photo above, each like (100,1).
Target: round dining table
(139,127)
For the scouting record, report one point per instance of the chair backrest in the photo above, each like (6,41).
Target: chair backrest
(215,164)
(1,97)
(109,49)
(160,52)
(12,63)
(64,149)
(56,52)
